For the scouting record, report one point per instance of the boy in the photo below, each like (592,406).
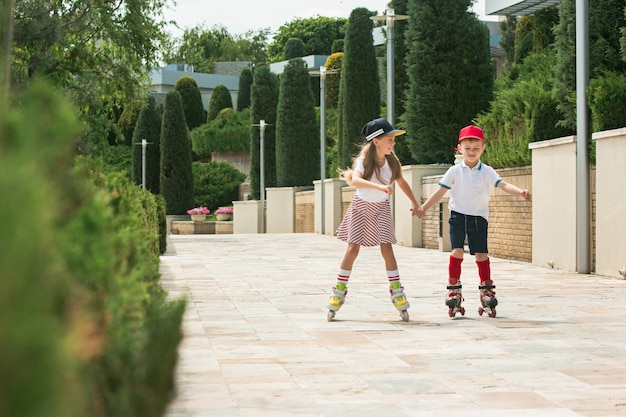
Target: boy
(468,183)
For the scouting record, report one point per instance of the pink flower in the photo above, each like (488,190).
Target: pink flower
(199,210)
(224,210)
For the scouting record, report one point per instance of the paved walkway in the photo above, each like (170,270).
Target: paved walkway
(257,342)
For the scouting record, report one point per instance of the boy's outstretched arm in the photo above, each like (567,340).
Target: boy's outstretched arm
(432,200)
(512,189)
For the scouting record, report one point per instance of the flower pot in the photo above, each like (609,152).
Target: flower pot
(224,217)
(198,217)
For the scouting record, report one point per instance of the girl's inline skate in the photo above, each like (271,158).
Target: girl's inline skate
(398,298)
(336,300)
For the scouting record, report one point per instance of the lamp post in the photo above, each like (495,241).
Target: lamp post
(143,145)
(390,17)
(322,73)
(262,126)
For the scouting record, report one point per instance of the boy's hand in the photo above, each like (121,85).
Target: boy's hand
(526,195)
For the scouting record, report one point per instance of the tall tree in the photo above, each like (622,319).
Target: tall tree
(451,75)
(201,47)
(297,133)
(192,101)
(359,91)
(604,49)
(264,101)
(243,90)
(148,127)
(96,51)
(220,100)
(176,174)
(317,34)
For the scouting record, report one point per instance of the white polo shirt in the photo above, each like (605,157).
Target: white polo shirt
(470,188)
(369,194)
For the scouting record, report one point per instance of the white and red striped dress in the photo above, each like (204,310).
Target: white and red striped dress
(368,220)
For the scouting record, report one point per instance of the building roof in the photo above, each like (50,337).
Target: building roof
(517,7)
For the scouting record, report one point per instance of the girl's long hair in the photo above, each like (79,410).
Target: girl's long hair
(368,152)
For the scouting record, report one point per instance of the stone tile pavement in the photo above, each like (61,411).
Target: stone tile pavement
(257,342)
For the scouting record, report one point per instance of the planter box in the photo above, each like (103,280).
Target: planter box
(192,228)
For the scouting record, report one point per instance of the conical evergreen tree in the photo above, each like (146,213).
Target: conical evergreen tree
(243,91)
(176,175)
(264,101)
(220,100)
(192,101)
(148,127)
(359,86)
(451,75)
(297,133)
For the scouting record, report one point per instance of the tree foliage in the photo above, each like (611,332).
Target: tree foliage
(192,101)
(297,133)
(176,176)
(220,100)
(359,92)
(294,48)
(264,102)
(148,127)
(317,34)
(229,132)
(333,77)
(96,51)
(451,75)
(604,49)
(243,90)
(201,47)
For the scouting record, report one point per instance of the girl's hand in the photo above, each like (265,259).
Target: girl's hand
(388,189)
(526,195)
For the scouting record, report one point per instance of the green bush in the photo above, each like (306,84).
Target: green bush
(216,184)
(229,132)
(220,99)
(607,101)
(524,111)
(85,327)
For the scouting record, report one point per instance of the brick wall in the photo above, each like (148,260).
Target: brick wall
(305,212)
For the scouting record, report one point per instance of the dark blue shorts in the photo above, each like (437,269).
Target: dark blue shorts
(474,227)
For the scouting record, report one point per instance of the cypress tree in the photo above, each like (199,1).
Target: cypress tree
(297,133)
(176,175)
(264,101)
(220,100)
(451,75)
(243,91)
(359,92)
(192,101)
(333,66)
(148,127)
(294,48)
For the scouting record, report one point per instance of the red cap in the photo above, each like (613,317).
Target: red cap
(471,132)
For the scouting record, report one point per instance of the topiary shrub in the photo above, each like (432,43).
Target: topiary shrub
(607,101)
(216,184)
(229,132)
(220,99)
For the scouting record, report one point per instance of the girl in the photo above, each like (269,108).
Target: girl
(368,220)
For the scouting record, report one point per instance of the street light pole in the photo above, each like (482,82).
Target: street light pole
(262,126)
(322,144)
(390,17)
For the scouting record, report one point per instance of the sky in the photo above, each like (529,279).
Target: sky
(240,16)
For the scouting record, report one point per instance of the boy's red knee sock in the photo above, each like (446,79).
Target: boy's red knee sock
(454,270)
(484,270)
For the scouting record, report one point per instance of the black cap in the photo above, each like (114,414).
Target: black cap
(379,127)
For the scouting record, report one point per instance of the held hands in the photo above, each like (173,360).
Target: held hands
(419,212)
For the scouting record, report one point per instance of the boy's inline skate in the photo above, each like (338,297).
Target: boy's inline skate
(336,300)
(454,299)
(487,298)
(398,298)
